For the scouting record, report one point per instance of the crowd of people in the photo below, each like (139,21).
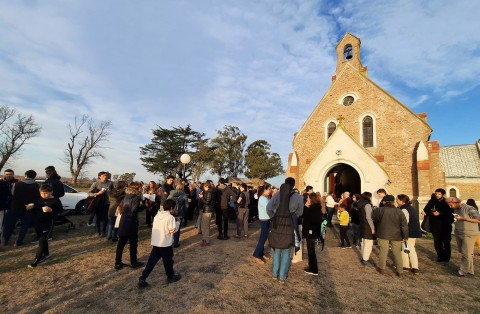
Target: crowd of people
(286,215)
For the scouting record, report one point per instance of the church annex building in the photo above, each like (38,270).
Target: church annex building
(360,138)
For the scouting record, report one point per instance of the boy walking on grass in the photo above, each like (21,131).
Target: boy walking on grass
(164,226)
(44,209)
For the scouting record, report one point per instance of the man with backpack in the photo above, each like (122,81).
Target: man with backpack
(283,208)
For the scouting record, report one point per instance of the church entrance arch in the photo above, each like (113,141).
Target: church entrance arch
(341,178)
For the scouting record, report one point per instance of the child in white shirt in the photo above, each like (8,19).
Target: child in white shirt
(164,226)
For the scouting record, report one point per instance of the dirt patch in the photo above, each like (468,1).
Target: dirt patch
(79,278)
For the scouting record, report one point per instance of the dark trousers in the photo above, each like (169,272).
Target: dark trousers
(441,242)
(159,252)
(264,227)
(122,241)
(111,230)
(221,220)
(343,236)
(11,219)
(42,250)
(102,220)
(312,256)
(330,211)
(150,214)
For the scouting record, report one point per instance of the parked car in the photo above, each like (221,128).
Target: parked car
(73,200)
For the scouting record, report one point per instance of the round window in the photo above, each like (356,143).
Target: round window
(347,101)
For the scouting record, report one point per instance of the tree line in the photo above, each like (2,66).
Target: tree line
(224,155)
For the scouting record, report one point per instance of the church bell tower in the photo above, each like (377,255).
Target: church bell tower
(348,52)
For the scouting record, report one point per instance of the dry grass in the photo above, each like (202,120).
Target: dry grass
(79,278)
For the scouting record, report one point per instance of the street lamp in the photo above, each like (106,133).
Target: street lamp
(185,159)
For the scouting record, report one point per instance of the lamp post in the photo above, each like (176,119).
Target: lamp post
(184,159)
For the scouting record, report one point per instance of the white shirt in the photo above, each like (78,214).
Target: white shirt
(330,201)
(162,229)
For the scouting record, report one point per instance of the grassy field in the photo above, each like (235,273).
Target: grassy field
(79,278)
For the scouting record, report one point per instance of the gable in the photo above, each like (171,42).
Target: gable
(369,97)
(341,148)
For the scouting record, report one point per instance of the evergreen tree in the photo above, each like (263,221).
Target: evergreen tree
(228,146)
(162,155)
(260,162)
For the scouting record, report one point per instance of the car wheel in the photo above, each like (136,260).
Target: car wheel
(81,208)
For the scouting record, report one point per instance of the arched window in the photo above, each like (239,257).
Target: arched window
(452,192)
(347,53)
(331,128)
(367,131)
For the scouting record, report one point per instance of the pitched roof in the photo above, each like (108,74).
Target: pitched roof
(461,160)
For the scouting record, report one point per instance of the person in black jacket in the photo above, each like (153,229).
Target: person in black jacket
(440,216)
(208,201)
(225,193)
(312,220)
(54,180)
(58,191)
(367,227)
(24,192)
(44,209)
(6,195)
(128,227)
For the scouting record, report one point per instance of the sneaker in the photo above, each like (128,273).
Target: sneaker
(137,265)
(308,271)
(266,257)
(142,283)
(119,266)
(34,264)
(90,225)
(348,247)
(415,271)
(174,278)
(43,259)
(460,273)
(257,260)
(35,240)
(274,277)
(282,281)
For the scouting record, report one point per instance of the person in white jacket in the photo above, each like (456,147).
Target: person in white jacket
(164,226)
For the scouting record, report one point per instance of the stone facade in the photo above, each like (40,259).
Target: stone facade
(374,142)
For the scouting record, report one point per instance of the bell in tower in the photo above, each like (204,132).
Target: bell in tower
(348,52)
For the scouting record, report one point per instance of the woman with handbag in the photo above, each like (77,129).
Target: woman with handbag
(410,260)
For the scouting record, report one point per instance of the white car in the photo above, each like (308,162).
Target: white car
(73,199)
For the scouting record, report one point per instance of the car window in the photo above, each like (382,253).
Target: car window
(69,189)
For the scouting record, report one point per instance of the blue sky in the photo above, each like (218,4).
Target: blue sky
(260,65)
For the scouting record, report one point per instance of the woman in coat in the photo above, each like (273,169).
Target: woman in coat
(312,220)
(128,227)
(410,260)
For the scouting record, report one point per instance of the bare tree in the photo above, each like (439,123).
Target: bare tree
(85,143)
(14,135)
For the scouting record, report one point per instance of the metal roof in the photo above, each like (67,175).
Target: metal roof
(461,160)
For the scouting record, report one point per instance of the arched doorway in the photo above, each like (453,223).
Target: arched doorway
(341,178)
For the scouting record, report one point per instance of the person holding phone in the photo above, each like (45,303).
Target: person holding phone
(467,219)
(441,219)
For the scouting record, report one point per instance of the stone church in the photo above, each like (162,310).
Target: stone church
(360,138)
